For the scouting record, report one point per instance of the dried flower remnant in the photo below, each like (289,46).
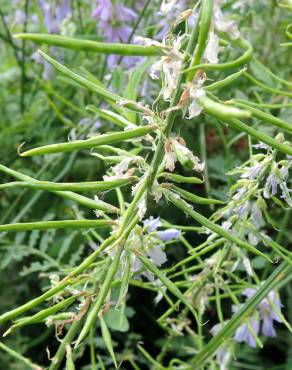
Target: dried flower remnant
(221,24)
(168,68)
(176,150)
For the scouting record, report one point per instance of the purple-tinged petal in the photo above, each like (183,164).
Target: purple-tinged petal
(157,255)
(152,224)
(268,328)
(168,235)
(249,292)
(103,11)
(124,14)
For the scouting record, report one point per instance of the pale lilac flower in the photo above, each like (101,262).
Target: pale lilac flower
(223,353)
(103,10)
(243,209)
(268,315)
(253,172)
(53,17)
(261,146)
(278,178)
(266,311)
(243,334)
(253,239)
(168,235)
(63,11)
(151,224)
(125,14)
(240,192)
(113,19)
(157,255)
(256,215)
(271,185)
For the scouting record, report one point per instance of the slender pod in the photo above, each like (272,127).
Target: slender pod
(93,142)
(19,358)
(103,292)
(242,60)
(225,82)
(266,116)
(222,111)
(261,137)
(267,88)
(92,46)
(168,283)
(106,336)
(231,114)
(34,302)
(206,14)
(81,199)
(110,116)
(91,86)
(194,198)
(181,179)
(96,186)
(264,105)
(41,315)
(66,224)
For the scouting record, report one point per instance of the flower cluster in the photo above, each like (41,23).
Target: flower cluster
(268,311)
(56,16)
(150,241)
(114,19)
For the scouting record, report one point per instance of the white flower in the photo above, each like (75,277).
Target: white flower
(142,208)
(247,265)
(253,172)
(223,25)
(195,108)
(167,6)
(212,49)
(157,255)
(169,66)
(156,191)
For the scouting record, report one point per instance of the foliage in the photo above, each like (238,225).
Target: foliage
(145,200)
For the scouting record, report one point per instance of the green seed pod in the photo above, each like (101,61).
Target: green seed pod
(93,142)
(47,225)
(106,336)
(222,111)
(92,46)
(183,179)
(195,198)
